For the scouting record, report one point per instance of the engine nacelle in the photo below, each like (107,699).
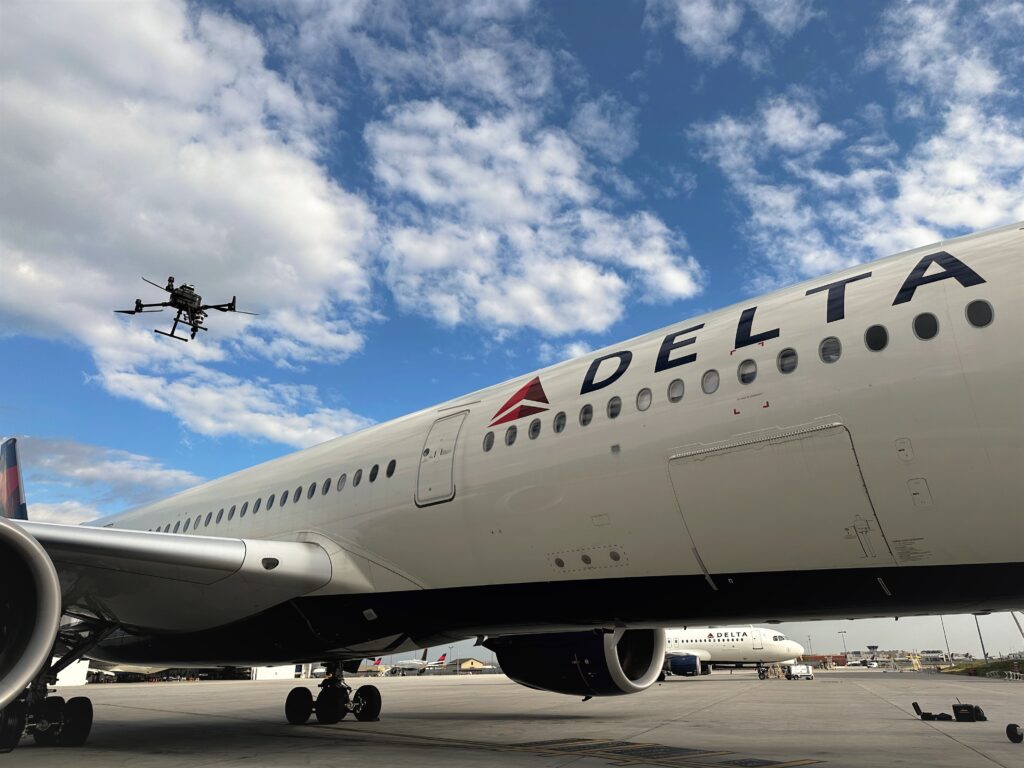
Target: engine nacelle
(592,663)
(30,608)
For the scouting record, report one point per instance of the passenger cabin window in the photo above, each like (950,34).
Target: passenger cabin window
(979,313)
(510,435)
(586,414)
(747,372)
(373,472)
(187,523)
(876,338)
(559,423)
(312,491)
(926,326)
(297,495)
(270,501)
(675,390)
(220,515)
(830,349)
(284,498)
(209,517)
(357,478)
(256,506)
(787,360)
(177,525)
(614,407)
(245,508)
(195,523)
(341,481)
(231,512)
(327,487)
(643,399)
(534,431)
(709,382)
(391,467)
(488,441)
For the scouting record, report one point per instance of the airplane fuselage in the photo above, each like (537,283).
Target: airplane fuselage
(736,645)
(793,459)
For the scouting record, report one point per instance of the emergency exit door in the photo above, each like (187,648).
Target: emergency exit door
(436,482)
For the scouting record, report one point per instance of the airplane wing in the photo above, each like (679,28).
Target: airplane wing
(169,582)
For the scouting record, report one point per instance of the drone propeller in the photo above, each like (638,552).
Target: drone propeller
(161,287)
(135,311)
(230,307)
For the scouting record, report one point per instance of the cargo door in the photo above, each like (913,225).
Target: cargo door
(792,501)
(435,482)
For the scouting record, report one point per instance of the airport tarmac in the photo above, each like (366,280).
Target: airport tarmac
(856,718)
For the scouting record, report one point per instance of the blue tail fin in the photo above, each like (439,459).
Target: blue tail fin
(12,492)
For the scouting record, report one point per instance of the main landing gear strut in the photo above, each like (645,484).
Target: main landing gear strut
(52,721)
(334,701)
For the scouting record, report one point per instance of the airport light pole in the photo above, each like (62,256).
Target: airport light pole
(949,653)
(984,653)
(842,634)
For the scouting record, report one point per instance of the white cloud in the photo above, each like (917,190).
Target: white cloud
(549,353)
(809,214)
(159,143)
(607,125)
(65,512)
(707,27)
(71,482)
(503,226)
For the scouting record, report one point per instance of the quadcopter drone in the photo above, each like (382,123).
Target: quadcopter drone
(188,303)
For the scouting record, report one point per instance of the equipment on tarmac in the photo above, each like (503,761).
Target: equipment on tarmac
(1015,733)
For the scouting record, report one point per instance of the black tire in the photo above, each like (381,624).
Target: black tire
(298,706)
(367,703)
(77,722)
(49,721)
(330,706)
(661,676)
(12,725)
(1014,733)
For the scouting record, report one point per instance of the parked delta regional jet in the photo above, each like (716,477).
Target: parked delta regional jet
(850,446)
(419,666)
(730,646)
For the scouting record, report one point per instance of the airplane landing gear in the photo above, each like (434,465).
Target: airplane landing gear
(50,720)
(333,703)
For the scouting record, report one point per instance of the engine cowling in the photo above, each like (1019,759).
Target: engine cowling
(30,608)
(592,663)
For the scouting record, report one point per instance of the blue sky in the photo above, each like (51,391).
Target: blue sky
(421,199)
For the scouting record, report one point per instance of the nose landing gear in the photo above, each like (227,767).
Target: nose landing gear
(334,701)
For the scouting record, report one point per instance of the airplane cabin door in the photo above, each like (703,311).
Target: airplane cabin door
(795,500)
(435,482)
(758,640)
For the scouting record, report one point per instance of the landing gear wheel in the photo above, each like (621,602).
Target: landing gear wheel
(330,706)
(77,722)
(1015,733)
(12,725)
(298,706)
(762,673)
(661,677)
(49,721)
(366,703)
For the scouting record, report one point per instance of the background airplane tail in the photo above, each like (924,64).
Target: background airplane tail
(12,494)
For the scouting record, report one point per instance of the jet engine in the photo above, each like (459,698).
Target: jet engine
(30,607)
(592,663)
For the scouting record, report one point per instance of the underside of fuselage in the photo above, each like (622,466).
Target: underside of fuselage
(357,626)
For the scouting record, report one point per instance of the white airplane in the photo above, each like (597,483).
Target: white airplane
(847,447)
(419,666)
(694,650)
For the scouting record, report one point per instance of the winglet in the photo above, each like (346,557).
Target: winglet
(12,493)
